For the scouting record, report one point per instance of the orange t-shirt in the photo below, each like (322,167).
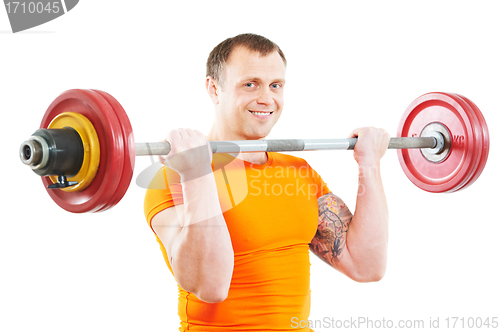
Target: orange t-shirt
(271,212)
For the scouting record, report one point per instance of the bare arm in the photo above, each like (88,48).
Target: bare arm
(195,234)
(329,243)
(356,244)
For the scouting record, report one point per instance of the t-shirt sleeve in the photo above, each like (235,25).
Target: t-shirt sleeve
(320,184)
(164,191)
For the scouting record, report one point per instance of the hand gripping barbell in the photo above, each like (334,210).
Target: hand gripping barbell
(85,149)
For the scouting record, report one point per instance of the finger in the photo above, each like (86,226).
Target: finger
(190,132)
(161,158)
(203,140)
(172,136)
(202,137)
(183,133)
(355,132)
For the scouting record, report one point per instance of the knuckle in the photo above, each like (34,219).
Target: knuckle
(171,133)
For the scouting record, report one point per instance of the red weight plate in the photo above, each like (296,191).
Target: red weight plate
(95,108)
(456,169)
(129,150)
(477,140)
(485,142)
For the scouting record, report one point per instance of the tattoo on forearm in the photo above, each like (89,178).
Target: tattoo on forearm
(333,224)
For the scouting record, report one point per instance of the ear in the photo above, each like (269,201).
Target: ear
(212,89)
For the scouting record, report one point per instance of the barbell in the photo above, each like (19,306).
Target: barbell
(85,149)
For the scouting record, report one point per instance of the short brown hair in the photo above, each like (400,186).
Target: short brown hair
(219,55)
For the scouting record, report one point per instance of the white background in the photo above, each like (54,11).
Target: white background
(350,64)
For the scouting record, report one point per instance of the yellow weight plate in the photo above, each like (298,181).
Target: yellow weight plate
(91,148)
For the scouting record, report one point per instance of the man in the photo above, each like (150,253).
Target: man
(247,267)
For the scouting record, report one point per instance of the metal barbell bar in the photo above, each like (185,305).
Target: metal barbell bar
(35,150)
(282,145)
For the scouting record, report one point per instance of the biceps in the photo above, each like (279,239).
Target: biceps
(329,243)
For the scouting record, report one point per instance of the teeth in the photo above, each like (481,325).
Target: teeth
(261,113)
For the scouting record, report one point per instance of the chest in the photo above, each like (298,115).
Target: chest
(268,209)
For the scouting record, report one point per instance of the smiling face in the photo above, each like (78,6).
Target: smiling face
(251,99)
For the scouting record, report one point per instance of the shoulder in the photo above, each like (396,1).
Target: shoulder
(163,191)
(154,178)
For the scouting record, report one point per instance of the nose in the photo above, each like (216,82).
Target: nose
(265,97)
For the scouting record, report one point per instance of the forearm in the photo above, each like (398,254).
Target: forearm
(203,256)
(367,237)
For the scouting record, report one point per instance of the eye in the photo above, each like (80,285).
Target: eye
(250,85)
(276,85)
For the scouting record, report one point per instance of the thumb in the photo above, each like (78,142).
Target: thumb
(354,133)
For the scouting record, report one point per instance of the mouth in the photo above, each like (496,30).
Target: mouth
(262,114)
